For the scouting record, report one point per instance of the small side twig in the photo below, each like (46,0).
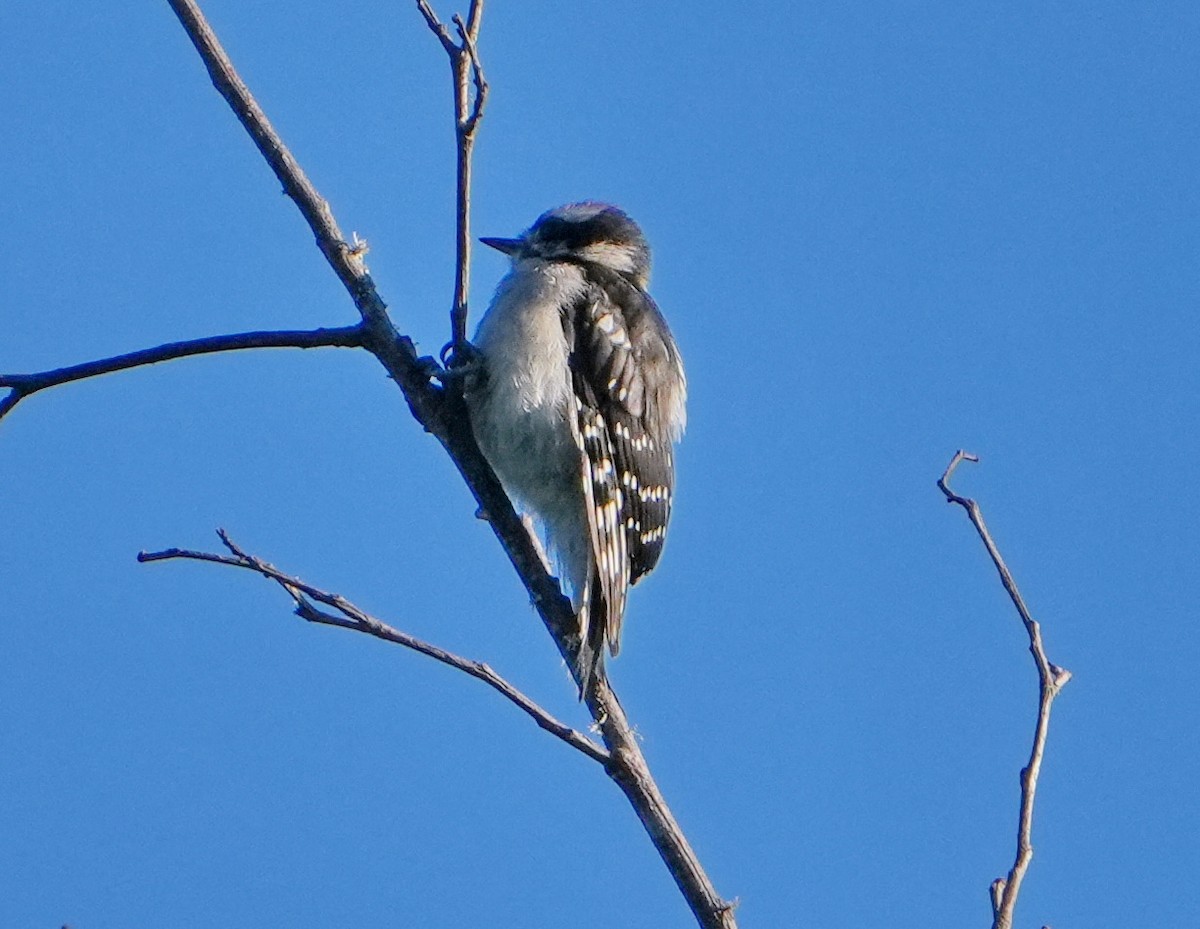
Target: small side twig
(1051,679)
(467,71)
(349,616)
(21,386)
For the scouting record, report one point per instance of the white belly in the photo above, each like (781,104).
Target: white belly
(521,418)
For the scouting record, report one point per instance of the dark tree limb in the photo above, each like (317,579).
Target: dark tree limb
(25,385)
(1051,679)
(349,616)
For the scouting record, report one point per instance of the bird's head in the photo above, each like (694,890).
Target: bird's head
(588,232)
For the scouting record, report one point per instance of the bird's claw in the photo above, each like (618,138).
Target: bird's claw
(461,356)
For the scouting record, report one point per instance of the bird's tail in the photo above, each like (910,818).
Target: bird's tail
(593,630)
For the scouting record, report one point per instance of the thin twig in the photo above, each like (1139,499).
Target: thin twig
(465,70)
(1051,679)
(436,26)
(469,36)
(358,620)
(24,385)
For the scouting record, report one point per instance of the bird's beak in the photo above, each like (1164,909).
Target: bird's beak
(508,246)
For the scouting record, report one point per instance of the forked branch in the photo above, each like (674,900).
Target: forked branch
(467,72)
(1051,679)
(348,616)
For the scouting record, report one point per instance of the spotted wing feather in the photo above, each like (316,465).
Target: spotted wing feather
(615,333)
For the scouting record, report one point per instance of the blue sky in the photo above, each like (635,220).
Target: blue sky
(881,232)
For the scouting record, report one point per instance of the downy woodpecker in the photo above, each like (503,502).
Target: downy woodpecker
(577,402)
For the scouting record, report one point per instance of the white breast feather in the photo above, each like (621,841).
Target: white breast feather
(522,419)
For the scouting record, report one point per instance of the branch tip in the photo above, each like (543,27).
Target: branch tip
(996,891)
(944,481)
(1051,678)
(435,25)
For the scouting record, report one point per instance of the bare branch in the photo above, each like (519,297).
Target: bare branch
(358,620)
(1051,679)
(624,761)
(469,35)
(465,69)
(632,774)
(436,27)
(474,16)
(24,385)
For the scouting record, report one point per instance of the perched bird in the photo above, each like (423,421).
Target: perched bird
(577,401)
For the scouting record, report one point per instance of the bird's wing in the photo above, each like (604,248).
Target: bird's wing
(603,602)
(614,331)
(619,342)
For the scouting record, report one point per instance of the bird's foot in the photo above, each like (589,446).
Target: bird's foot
(461,358)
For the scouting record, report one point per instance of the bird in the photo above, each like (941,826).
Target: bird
(577,401)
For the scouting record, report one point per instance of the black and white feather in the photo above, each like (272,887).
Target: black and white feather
(578,404)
